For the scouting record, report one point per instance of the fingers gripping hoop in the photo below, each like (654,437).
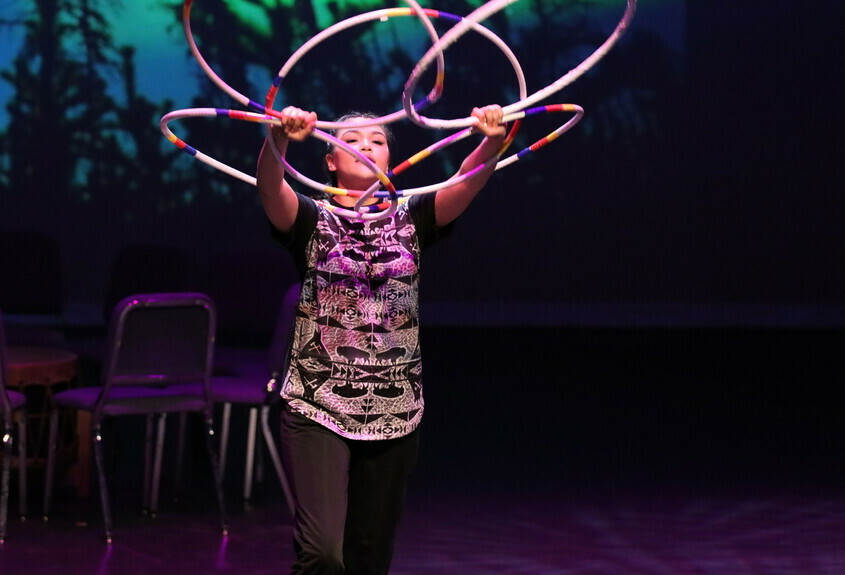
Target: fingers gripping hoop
(383,188)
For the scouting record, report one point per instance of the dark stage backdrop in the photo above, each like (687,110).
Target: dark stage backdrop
(703,185)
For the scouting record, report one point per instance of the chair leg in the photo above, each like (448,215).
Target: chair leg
(97,438)
(22,495)
(6,454)
(250,453)
(149,438)
(270,442)
(49,472)
(259,459)
(215,471)
(159,450)
(180,453)
(224,436)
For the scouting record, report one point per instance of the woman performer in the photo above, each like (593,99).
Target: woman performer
(353,389)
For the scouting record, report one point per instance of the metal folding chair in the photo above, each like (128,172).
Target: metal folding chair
(159,358)
(12,410)
(259,393)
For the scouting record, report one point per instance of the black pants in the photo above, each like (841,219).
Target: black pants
(348,496)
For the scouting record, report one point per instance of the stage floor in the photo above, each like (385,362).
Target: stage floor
(550,451)
(585,532)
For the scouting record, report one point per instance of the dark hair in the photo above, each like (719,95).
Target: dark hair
(388,133)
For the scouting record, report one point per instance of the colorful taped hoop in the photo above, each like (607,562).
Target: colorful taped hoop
(515,112)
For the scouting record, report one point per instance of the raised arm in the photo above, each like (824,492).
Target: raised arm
(277,197)
(450,202)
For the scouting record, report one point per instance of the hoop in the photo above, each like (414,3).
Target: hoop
(514,112)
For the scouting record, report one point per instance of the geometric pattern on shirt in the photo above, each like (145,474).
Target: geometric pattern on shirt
(355,363)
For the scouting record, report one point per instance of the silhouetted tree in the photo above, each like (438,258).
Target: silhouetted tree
(66,139)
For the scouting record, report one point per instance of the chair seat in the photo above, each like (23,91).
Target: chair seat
(130,400)
(16,399)
(239,362)
(232,389)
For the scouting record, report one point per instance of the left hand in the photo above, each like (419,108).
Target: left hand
(489,121)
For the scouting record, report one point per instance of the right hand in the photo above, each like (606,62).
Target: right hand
(296,124)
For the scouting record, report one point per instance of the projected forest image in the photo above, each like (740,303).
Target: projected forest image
(82,157)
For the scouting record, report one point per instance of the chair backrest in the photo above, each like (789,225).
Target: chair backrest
(149,268)
(283,331)
(31,264)
(160,339)
(245,285)
(5,405)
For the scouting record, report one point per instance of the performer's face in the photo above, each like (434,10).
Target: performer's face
(372,143)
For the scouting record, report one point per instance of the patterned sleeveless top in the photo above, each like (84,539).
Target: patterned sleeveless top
(355,364)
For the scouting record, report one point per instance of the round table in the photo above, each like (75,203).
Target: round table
(35,365)
(38,371)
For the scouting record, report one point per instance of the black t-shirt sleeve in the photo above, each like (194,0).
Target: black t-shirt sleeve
(422,211)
